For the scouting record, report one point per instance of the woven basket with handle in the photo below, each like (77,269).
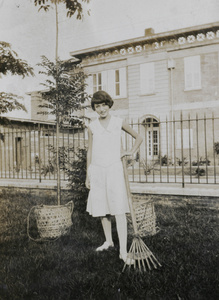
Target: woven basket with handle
(145,215)
(52,221)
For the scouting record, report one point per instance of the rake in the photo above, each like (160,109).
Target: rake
(139,252)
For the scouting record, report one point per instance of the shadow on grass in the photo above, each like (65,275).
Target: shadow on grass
(69,268)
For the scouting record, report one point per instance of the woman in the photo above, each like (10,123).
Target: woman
(105,177)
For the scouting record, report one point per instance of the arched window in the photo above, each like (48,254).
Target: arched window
(152,134)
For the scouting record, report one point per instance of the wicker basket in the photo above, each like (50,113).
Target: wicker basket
(145,216)
(53,221)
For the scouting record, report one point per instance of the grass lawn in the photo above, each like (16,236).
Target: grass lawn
(69,268)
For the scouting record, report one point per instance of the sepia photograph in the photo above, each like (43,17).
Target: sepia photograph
(109,149)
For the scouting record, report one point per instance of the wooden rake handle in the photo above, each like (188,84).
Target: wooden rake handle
(134,223)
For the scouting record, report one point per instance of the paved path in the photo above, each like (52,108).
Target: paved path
(148,188)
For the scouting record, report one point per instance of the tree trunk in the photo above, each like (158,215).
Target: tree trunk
(57,114)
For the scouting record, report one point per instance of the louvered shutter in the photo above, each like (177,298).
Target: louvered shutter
(111,82)
(192,72)
(147,78)
(123,82)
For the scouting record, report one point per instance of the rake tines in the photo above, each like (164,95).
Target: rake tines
(139,252)
(142,256)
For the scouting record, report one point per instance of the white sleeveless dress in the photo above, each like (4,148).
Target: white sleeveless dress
(108,193)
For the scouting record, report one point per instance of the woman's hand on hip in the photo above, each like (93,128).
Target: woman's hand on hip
(87,183)
(126,153)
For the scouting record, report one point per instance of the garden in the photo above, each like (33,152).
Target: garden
(69,268)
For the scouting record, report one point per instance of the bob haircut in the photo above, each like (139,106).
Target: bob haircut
(101,97)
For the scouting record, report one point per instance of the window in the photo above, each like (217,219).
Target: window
(187,138)
(192,72)
(18,151)
(152,136)
(111,81)
(97,82)
(147,78)
(117,83)
(153,142)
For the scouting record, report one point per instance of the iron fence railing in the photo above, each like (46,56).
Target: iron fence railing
(180,150)
(29,152)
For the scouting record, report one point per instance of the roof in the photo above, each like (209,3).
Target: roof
(146,39)
(19,120)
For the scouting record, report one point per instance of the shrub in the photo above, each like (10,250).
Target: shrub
(163,160)
(180,161)
(149,166)
(51,167)
(200,172)
(76,171)
(201,162)
(216,147)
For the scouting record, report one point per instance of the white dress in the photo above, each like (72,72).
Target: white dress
(108,193)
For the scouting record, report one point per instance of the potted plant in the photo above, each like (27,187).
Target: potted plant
(64,92)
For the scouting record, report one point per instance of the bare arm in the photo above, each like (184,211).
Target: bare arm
(134,134)
(89,154)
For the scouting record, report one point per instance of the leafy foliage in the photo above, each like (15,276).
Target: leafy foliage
(73,161)
(76,172)
(51,167)
(201,162)
(8,102)
(200,172)
(64,87)
(11,64)
(216,147)
(72,6)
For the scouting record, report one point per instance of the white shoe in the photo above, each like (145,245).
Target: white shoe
(127,259)
(106,245)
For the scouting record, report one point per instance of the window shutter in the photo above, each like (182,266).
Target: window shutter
(89,85)
(111,82)
(147,78)
(192,72)
(197,72)
(188,72)
(104,81)
(123,82)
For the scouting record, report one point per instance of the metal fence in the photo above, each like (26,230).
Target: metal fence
(183,150)
(28,152)
(180,150)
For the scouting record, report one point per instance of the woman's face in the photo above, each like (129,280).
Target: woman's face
(102,109)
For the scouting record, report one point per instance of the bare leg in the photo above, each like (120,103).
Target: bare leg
(107,229)
(121,224)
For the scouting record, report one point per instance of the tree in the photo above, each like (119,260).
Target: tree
(10,63)
(64,88)
(73,7)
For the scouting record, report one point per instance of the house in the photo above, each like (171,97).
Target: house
(166,82)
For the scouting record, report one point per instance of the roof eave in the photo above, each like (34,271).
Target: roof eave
(144,39)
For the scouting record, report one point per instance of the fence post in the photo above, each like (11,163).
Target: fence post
(182,154)
(190,155)
(167,143)
(214,147)
(39,147)
(197,143)
(174,142)
(206,150)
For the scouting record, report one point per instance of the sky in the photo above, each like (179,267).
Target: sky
(32,33)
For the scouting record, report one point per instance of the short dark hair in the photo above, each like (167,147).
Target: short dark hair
(101,97)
